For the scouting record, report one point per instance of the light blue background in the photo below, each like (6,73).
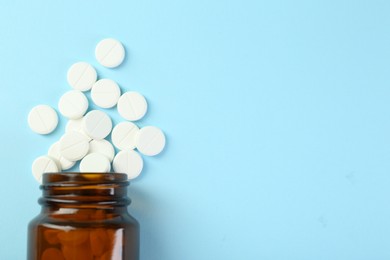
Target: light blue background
(276,115)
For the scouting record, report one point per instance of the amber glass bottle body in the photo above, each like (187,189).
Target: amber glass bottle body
(84,217)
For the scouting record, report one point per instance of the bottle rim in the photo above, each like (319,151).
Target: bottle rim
(83,178)
(88,188)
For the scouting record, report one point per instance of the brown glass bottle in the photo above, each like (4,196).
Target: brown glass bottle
(84,217)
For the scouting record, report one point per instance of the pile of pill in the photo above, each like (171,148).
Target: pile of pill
(86,131)
(93,243)
(83,244)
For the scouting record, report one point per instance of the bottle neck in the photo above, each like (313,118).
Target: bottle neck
(64,192)
(81,213)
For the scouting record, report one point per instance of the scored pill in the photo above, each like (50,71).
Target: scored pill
(42,119)
(55,153)
(129,162)
(105,93)
(123,135)
(132,106)
(110,53)
(102,146)
(74,146)
(150,140)
(41,165)
(81,76)
(97,124)
(73,104)
(95,162)
(76,125)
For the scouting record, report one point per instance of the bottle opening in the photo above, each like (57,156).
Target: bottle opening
(84,189)
(66,178)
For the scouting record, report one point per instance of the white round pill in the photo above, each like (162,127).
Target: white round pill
(132,106)
(103,147)
(97,124)
(76,125)
(150,140)
(55,154)
(124,134)
(81,76)
(105,93)
(73,104)
(41,165)
(95,162)
(74,146)
(110,53)
(42,119)
(129,162)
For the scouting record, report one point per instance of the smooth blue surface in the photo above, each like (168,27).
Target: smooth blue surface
(276,113)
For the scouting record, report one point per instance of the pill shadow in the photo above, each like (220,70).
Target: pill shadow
(59,130)
(144,208)
(166,147)
(144,121)
(126,59)
(152,161)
